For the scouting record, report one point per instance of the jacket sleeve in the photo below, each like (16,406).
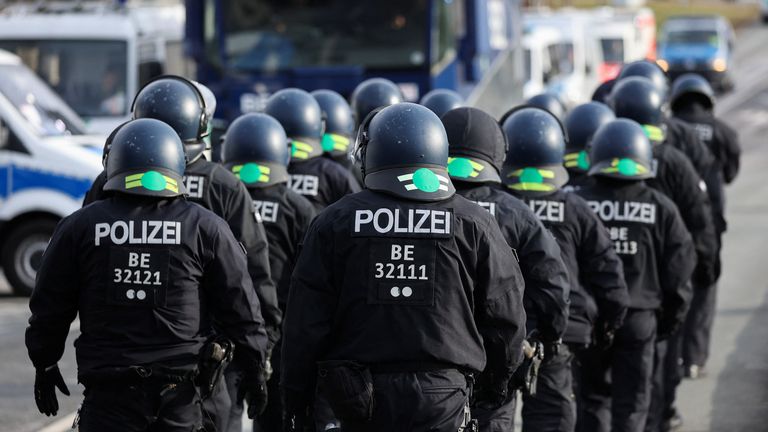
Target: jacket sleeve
(676,263)
(500,316)
(601,269)
(547,290)
(730,151)
(241,218)
(54,302)
(234,305)
(686,139)
(96,193)
(309,314)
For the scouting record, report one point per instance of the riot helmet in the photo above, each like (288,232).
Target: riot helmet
(581,124)
(476,145)
(339,122)
(374,93)
(440,101)
(690,88)
(603,92)
(548,102)
(649,70)
(534,163)
(621,150)
(637,99)
(146,158)
(256,150)
(300,115)
(177,102)
(403,151)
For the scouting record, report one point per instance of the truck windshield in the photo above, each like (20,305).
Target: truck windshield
(37,103)
(697,37)
(613,50)
(272,35)
(89,75)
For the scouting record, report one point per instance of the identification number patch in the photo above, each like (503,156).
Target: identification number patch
(138,277)
(402,273)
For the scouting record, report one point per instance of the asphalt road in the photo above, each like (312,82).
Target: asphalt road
(734,395)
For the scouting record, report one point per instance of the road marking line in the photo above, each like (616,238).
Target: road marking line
(61,425)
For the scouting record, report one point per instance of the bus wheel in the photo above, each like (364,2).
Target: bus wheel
(23,253)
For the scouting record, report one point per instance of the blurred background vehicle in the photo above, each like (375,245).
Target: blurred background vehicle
(47,163)
(623,36)
(698,44)
(539,68)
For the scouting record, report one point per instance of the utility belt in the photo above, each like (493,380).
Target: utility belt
(405,367)
(133,375)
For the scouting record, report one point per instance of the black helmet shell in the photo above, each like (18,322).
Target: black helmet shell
(177,102)
(637,99)
(374,93)
(339,122)
(603,92)
(581,124)
(649,70)
(256,150)
(534,163)
(405,153)
(300,115)
(476,145)
(620,149)
(691,86)
(440,101)
(146,158)
(548,102)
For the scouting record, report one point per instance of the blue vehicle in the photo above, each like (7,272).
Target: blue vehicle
(247,49)
(698,44)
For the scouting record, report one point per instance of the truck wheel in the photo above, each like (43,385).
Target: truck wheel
(23,253)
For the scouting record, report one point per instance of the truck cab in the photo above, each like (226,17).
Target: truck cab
(47,163)
(539,44)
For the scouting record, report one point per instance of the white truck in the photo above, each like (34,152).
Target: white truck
(47,163)
(96,54)
(539,44)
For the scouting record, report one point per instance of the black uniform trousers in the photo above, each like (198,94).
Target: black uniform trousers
(216,408)
(145,406)
(667,375)
(553,408)
(432,401)
(501,419)
(698,326)
(615,384)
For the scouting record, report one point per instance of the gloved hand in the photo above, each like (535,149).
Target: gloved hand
(46,382)
(667,326)
(253,389)
(604,335)
(704,275)
(491,392)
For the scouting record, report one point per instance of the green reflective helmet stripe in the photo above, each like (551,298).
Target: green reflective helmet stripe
(654,133)
(626,167)
(300,150)
(463,167)
(535,187)
(335,142)
(252,173)
(151,180)
(532,175)
(577,160)
(425,180)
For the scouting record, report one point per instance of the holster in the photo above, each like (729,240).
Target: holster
(528,373)
(348,388)
(215,356)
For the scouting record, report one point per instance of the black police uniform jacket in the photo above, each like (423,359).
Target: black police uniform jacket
(596,276)
(546,278)
(286,216)
(146,277)
(652,242)
(677,179)
(723,142)
(218,190)
(321,181)
(384,281)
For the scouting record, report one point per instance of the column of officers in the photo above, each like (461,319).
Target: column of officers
(381,265)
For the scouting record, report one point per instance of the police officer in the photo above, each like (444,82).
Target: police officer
(657,253)
(533,171)
(400,291)
(339,126)
(581,124)
(318,179)
(548,102)
(257,151)
(216,189)
(693,101)
(374,93)
(477,151)
(440,101)
(603,92)
(147,272)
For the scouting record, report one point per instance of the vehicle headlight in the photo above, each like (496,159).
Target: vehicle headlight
(719,65)
(663,64)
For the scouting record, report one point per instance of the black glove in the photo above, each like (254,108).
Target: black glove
(604,335)
(704,275)
(46,382)
(492,391)
(667,326)
(253,389)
